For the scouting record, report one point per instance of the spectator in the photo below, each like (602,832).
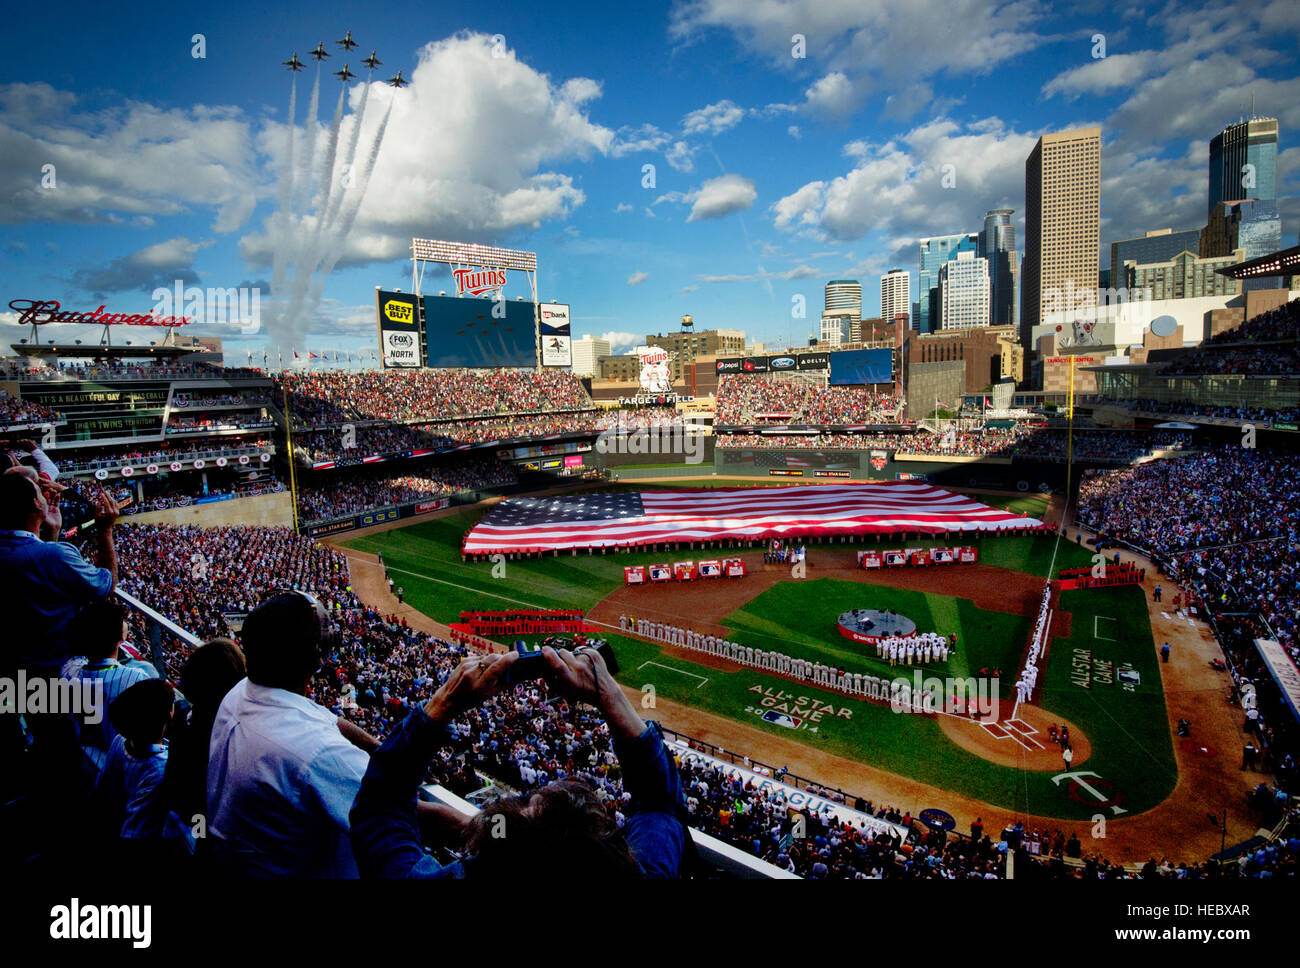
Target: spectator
(44,583)
(562,830)
(98,631)
(282,773)
(212,671)
(129,793)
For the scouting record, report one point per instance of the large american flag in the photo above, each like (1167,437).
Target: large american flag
(634,518)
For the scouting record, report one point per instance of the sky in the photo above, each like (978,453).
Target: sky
(718,158)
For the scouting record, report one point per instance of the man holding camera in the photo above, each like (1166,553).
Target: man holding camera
(44,582)
(560,831)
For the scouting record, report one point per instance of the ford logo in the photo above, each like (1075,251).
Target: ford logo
(782,363)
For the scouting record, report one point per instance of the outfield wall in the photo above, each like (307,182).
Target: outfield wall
(264,510)
(825,466)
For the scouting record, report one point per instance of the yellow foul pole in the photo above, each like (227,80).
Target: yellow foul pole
(288,437)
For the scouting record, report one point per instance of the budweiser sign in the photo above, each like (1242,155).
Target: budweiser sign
(38,312)
(478,281)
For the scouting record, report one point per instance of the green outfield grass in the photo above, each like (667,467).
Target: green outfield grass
(1131,748)
(984,639)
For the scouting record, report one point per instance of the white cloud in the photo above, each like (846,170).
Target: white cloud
(832,97)
(793,132)
(621,341)
(622,207)
(679,156)
(798,272)
(1102,75)
(155,266)
(713,118)
(643,138)
(134,162)
(636,278)
(898,188)
(479,171)
(920,39)
(720,196)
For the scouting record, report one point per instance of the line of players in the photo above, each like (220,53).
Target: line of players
(917,649)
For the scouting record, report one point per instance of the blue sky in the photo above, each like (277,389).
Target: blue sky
(530,125)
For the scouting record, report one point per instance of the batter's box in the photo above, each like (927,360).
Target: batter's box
(996,731)
(1020,726)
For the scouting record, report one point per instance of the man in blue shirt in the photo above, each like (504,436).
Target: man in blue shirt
(44,583)
(562,830)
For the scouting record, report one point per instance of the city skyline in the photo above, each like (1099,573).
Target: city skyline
(773,173)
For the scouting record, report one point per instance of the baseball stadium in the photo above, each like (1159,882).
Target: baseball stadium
(999,602)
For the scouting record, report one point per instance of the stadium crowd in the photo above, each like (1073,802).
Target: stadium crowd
(741,398)
(1259,361)
(1282,323)
(1234,543)
(1225,412)
(1033,444)
(18,412)
(331,397)
(334,497)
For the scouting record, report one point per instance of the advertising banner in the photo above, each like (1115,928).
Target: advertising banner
(967,556)
(660,573)
(684,570)
(894,558)
(399,328)
(813,361)
(733,567)
(868,559)
(711,569)
(634,575)
(941,556)
(557,348)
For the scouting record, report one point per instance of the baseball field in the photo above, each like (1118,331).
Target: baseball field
(1101,676)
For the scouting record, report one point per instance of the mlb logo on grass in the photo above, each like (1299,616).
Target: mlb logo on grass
(781,719)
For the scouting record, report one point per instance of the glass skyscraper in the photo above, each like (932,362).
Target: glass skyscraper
(1243,162)
(997,244)
(935,251)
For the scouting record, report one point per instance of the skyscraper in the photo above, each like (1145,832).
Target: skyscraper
(935,251)
(964,292)
(844,296)
(997,244)
(895,294)
(1243,162)
(1062,226)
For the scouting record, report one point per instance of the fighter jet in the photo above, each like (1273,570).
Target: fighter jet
(345,75)
(347,43)
(372,61)
(397,81)
(293,63)
(320,53)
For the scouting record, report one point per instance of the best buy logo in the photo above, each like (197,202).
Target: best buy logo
(399,312)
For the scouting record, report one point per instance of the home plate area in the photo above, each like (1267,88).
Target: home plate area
(1015,729)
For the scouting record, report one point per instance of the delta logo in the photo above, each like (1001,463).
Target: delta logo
(782,363)
(399,312)
(478,281)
